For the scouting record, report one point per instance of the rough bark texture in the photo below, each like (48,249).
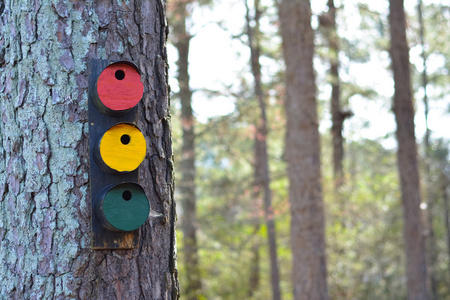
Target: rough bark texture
(262,176)
(45,253)
(187,183)
(407,156)
(303,153)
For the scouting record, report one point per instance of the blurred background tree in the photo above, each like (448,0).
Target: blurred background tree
(365,248)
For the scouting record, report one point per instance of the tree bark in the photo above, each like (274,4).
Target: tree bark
(445,199)
(303,153)
(424,73)
(407,156)
(254,278)
(187,184)
(337,115)
(45,236)
(430,194)
(262,176)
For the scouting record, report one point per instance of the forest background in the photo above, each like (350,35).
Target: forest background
(363,212)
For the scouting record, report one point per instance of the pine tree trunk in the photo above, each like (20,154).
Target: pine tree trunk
(337,116)
(187,184)
(303,153)
(254,278)
(407,156)
(45,235)
(262,176)
(430,194)
(445,199)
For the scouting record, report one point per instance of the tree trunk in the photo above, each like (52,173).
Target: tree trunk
(430,194)
(407,156)
(45,235)
(445,199)
(337,115)
(303,153)
(424,74)
(254,278)
(262,177)
(187,184)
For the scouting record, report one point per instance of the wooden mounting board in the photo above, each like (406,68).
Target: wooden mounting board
(98,179)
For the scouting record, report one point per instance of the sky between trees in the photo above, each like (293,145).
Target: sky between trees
(217,60)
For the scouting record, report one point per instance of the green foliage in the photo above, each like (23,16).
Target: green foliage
(364,233)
